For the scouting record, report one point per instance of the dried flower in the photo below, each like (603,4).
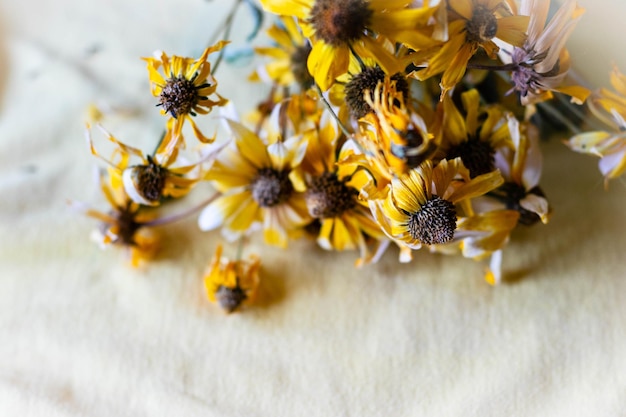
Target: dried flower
(155,177)
(420,207)
(609,146)
(542,63)
(232,284)
(185,89)
(256,185)
(474,24)
(335,28)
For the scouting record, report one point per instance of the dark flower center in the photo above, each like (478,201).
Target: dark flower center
(299,66)
(340,22)
(126,226)
(271,187)
(434,223)
(367,80)
(411,153)
(477,156)
(482,26)
(150,180)
(178,97)
(230,298)
(328,197)
(510,194)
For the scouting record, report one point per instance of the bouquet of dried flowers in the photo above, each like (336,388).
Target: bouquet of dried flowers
(408,122)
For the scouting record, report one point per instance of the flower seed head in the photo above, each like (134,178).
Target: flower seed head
(328,197)
(148,180)
(434,223)
(299,66)
(338,23)
(271,187)
(482,26)
(230,299)
(178,97)
(367,80)
(477,156)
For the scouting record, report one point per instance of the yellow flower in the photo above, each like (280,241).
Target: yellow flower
(332,199)
(475,137)
(155,177)
(255,181)
(185,88)
(232,284)
(289,57)
(609,146)
(125,224)
(542,63)
(397,137)
(420,207)
(474,24)
(336,27)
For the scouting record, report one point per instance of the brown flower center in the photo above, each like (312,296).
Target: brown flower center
(328,197)
(367,80)
(299,66)
(482,26)
(434,223)
(477,156)
(125,224)
(230,298)
(149,180)
(271,187)
(340,22)
(178,97)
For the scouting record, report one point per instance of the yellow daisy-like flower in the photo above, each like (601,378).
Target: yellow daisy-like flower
(332,199)
(185,88)
(232,284)
(289,57)
(335,27)
(156,176)
(609,146)
(420,208)
(256,185)
(475,137)
(125,224)
(474,24)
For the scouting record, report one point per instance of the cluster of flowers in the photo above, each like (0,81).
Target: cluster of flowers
(411,124)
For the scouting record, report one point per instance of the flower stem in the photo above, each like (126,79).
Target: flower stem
(178,216)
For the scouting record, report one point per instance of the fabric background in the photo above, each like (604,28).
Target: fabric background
(83,334)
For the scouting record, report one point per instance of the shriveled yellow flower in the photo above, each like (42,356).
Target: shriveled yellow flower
(155,176)
(473,24)
(396,136)
(254,178)
(185,88)
(475,137)
(125,224)
(332,198)
(336,27)
(289,57)
(421,206)
(232,284)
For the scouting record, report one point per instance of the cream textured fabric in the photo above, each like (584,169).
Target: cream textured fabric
(83,334)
